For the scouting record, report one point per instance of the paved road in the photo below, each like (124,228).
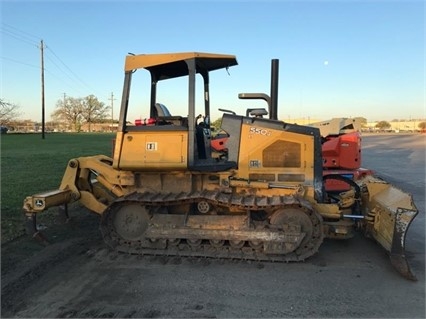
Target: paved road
(77,277)
(400,159)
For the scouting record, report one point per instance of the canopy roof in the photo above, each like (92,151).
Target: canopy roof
(171,65)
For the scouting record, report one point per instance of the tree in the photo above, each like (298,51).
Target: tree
(215,125)
(422,125)
(75,111)
(93,110)
(8,112)
(383,125)
(362,120)
(70,111)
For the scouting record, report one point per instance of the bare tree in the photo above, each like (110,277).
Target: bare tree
(70,111)
(8,112)
(93,110)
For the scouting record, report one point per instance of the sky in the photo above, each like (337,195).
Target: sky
(336,58)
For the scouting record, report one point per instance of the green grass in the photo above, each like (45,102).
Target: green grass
(30,164)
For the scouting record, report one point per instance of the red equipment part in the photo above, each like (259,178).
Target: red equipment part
(150,121)
(218,142)
(337,185)
(343,151)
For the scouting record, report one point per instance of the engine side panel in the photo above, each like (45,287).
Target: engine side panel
(278,153)
(275,156)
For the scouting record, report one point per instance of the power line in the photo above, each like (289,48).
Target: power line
(60,69)
(69,69)
(19,34)
(28,38)
(19,62)
(32,43)
(20,31)
(52,74)
(62,80)
(46,70)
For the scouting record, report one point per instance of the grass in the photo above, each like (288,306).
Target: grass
(30,164)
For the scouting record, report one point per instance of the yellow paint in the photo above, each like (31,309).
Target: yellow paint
(153,150)
(255,140)
(148,60)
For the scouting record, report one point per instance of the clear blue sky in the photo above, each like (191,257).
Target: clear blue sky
(337,58)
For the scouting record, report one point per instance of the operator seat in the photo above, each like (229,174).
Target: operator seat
(165,118)
(162,110)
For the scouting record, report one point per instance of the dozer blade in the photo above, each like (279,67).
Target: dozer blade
(390,213)
(403,220)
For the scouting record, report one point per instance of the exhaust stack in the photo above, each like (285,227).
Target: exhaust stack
(273,111)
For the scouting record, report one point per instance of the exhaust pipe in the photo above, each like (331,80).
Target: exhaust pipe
(273,114)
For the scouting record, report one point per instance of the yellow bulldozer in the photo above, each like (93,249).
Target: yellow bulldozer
(166,190)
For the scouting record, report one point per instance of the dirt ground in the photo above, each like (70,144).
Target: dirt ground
(76,276)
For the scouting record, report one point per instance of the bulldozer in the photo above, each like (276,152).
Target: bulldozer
(269,196)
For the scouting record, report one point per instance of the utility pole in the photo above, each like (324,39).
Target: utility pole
(112,110)
(42,89)
(65,104)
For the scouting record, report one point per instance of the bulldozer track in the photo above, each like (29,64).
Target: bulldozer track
(186,247)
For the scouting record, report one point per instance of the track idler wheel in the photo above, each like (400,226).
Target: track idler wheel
(301,220)
(294,218)
(131,221)
(124,222)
